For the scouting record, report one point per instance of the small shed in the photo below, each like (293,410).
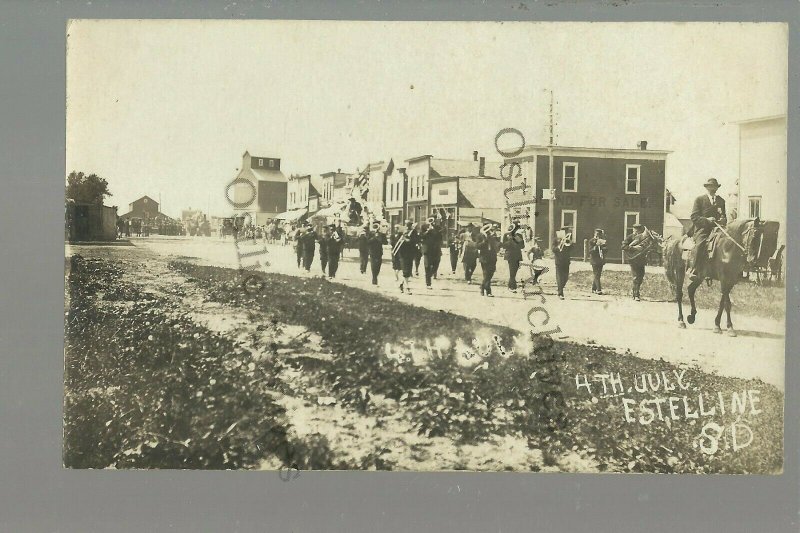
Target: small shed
(90,222)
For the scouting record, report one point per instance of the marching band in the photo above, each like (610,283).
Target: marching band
(469,246)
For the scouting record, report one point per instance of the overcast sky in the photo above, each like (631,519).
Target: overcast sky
(168,107)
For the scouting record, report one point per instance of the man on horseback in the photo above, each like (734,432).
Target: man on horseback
(707,212)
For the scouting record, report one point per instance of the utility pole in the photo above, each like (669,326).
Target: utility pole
(551,204)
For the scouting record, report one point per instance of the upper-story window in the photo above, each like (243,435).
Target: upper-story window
(754,204)
(569,182)
(261,162)
(271,163)
(632,179)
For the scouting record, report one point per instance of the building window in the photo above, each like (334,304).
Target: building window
(271,163)
(631,218)
(569,217)
(632,175)
(569,182)
(755,206)
(260,162)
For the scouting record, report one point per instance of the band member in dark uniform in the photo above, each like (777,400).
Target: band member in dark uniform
(396,266)
(513,243)
(363,248)
(407,247)
(323,238)
(375,245)
(431,240)
(636,246)
(417,258)
(469,253)
(487,245)
(561,253)
(454,247)
(707,212)
(334,249)
(535,256)
(309,242)
(597,258)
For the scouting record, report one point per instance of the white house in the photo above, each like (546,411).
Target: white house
(762,187)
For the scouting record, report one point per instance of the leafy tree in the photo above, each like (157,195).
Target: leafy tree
(86,189)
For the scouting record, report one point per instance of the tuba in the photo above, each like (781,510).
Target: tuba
(566,241)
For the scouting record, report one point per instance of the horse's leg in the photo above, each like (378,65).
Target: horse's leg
(691,290)
(679,297)
(717,329)
(731,331)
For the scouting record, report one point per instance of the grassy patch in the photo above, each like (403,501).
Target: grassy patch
(146,387)
(748,298)
(531,392)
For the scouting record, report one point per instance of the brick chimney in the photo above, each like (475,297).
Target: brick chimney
(641,145)
(474,155)
(482,167)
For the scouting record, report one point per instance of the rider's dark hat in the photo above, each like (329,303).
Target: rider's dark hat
(712,182)
(637,226)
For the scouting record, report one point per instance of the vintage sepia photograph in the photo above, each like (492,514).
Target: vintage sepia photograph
(425,246)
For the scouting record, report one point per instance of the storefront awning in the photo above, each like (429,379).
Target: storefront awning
(330,210)
(290,216)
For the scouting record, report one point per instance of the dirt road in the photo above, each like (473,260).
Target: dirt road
(646,329)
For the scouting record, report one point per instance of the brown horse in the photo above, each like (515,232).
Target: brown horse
(732,252)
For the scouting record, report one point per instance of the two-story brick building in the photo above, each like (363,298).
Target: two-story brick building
(259,189)
(604,188)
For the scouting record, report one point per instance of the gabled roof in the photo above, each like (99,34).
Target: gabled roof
(269,175)
(482,193)
(142,198)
